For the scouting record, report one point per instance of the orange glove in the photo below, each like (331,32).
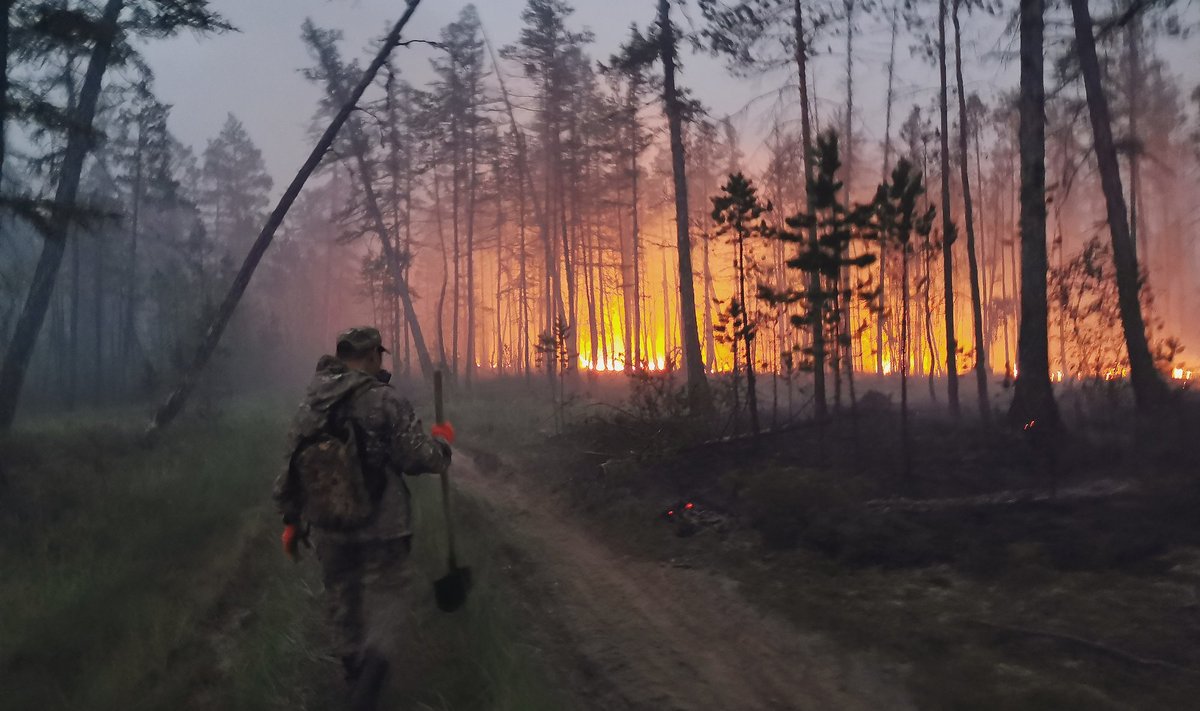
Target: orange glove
(444,431)
(290,540)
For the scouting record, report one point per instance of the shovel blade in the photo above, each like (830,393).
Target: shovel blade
(450,590)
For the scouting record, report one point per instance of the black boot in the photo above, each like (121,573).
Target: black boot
(350,669)
(368,682)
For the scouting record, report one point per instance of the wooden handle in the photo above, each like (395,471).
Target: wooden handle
(439,407)
(439,414)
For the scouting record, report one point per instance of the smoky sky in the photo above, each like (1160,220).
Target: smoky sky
(255,73)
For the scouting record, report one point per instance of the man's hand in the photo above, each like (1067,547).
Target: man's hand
(443,431)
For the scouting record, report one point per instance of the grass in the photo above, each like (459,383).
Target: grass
(148,579)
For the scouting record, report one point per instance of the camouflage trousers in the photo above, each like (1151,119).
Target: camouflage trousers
(365,586)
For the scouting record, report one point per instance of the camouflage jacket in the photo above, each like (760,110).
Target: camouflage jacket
(393,442)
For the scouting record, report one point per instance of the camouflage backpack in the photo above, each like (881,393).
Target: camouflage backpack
(339,492)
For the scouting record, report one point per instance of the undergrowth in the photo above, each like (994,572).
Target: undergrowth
(150,579)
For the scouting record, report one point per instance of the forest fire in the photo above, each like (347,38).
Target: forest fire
(761,274)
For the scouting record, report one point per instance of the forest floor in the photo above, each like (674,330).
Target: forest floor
(628,632)
(798,579)
(995,576)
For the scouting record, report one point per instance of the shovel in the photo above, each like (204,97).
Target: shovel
(450,590)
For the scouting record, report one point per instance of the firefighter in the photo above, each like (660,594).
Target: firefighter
(351,441)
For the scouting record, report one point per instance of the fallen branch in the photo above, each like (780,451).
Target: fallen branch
(175,402)
(1091,645)
(1096,490)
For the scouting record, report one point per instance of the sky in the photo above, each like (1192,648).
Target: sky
(255,73)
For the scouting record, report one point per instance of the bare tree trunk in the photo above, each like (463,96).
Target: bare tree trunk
(846,337)
(566,229)
(1033,402)
(76,287)
(443,359)
(747,336)
(1135,148)
(948,234)
(881,314)
(499,177)
(98,374)
(523,277)
(472,189)
(981,365)
(626,287)
(79,144)
(1148,387)
(904,363)
(456,181)
(699,396)
(5,19)
(636,249)
(178,397)
(820,407)
(710,344)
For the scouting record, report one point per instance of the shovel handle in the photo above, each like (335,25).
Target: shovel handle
(439,405)
(439,414)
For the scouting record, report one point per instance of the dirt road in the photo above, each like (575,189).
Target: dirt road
(624,633)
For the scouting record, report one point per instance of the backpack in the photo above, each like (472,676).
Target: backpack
(338,491)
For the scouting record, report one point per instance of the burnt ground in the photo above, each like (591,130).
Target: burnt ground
(627,632)
(997,575)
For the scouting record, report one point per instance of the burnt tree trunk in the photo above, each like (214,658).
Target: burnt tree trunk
(948,234)
(1148,387)
(981,365)
(699,396)
(1033,402)
(820,406)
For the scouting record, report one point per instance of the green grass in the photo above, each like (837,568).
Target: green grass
(152,579)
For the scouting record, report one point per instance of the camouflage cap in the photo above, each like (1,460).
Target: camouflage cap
(360,340)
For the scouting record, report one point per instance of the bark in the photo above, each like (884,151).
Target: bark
(699,396)
(178,398)
(472,194)
(499,177)
(443,359)
(523,279)
(747,336)
(881,314)
(904,348)
(1033,402)
(636,247)
(456,255)
(846,325)
(98,374)
(947,224)
(566,230)
(1135,149)
(1148,387)
(710,341)
(5,17)
(626,288)
(820,407)
(73,342)
(981,365)
(79,145)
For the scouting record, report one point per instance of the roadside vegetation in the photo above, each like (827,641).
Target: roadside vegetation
(153,579)
(994,576)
